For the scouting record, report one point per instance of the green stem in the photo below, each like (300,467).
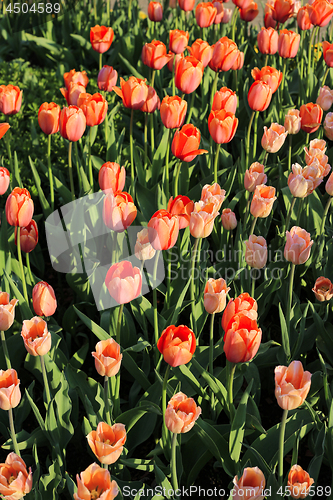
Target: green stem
(70,169)
(24,285)
(309,59)
(193,259)
(46,384)
(214,89)
(321,242)
(12,431)
(255,133)
(131,149)
(167,166)
(248,139)
(153,78)
(216,161)
(211,343)
(253,285)
(106,399)
(100,61)
(231,373)
(9,151)
(289,213)
(281,445)
(177,177)
(282,87)
(108,11)
(156,332)
(191,108)
(174,479)
(120,312)
(290,296)
(27,260)
(289,151)
(117,390)
(233,23)
(152,136)
(5,350)
(325,76)
(247,210)
(130,10)
(266,60)
(173,76)
(299,211)
(91,178)
(253,226)
(328,204)
(164,405)
(78,166)
(145,139)
(50,171)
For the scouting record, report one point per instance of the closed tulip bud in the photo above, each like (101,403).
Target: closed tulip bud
(155,11)
(154,55)
(227,13)
(254,176)
(298,245)
(107,442)
(173,111)
(273,138)
(292,121)
(329,185)
(76,77)
(10,99)
(37,338)
(215,295)
(163,230)
(325,98)
(111,176)
(7,311)
(19,207)
(328,53)
(288,43)
(213,194)
(72,123)
(10,394)
(222,126)
(134,92)
(44,300)
(239,63)
(73,93)
(292,385)
(202,51)
(250,12)
(94,480)
(252,482)
(119,210)
(107,357)
(328,126)
(188,74)
(282,10)
(181,413)
(259,96)
(48,117)
(320,12)
(262,201)
(311,116)
(94,108)
(185,143)
(303,19)
(240,304)
(242,4)
(186,5)
(323,289)
(202,218)
(268,75)
(205,14)
(143,249)
(219,12)
(181,206)
(177,344)
(28,237)
(256,252)
(228,219)
(178,41)
(124,282)
(268,40)
(225,53)
(4,180)
(242,338)
(299,482)
(101,38)
(15,481)
(153,101)
(107,78)
(225,99)
(269,22)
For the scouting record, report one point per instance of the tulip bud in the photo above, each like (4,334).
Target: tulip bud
(323,289)
(262,201)
(252,481)
(259,96)
(228,219)
(256,252)
(10,394)
(254,176)
(205,14)
(298,245)
(43,299)
(28,237)
(292,121)
(4,180)
(72,123)
(268,41)
(155,11)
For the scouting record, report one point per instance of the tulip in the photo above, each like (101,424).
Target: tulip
(181,206)
(311,116)
(292,385)
(107,78)
(268,40)
(282,10)
(224,55)
(178,41)
(259,96)
(225,99)
(4,127)
(177,344)
(73,93)
(268,75)
(101,38)
(10,394)
(242,4)
(28,237)
(94,108)
(76,77)
(273,138)
(227,13)
(153,101)
(48,117)
(134,92)
(328,126)
(215,295)
(298,245)
(107,358)
(242,303)
(222,126)
(119,210)
(239,63)
(256,252)
(107,442)
(320,12)
(143,249)
(219,11)
(19,207)
(242,338)
(254,176)
(292,121)
(185,143)
(181,413)
(7,311)
(154,55)
(268,19)
(15,481)
(72,123)
(155,11)
(186,5)
(299,482)
(288,43)
(173,111)
(250,486)
(111,177)
(325,98)
(228,219)
(323,289)
(262,201)
(4,180)
(163,230)
(93,481)
(329,185)
(37,338)
(202,51)
(303,19)
(249,13)
(328,53)
(124,282)
(202,219)
(205,14)
(213,194)
(44,300)
(10,99)
(303,181)
(188,74)
(175,58)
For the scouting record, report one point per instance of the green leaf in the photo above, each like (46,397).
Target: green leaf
(284,333)
(238,426)
(93,327)
(24,307)
(43,201)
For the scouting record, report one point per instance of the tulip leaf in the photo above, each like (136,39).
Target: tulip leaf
(48,483)
(214,383)
(284,333)
(163,481)
(43,201)
(238,426)
(138,464)
(129,66)
(136,372)
(24,307)
(63,408)
(94,327)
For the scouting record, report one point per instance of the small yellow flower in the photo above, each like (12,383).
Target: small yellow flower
(142,15)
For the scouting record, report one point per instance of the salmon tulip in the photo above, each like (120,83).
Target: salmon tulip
(185,143)
(244,302)
(311,116)
(124,282)
(76,77)
(72,123)
(107,357)
(4,180)
(15,480)
(205,14)
(173,111)
(292,385)
(10,394)
(242,338)
(188,74)
(154,55)
(268,41)
(134,92)
(262,201)
(95,481)
(269,75)
(299,482)
(298,245)
(48,117)
(7,311)
(323,289)
(111,176)
(222,126)
(19,207)
(36,337)
(250,486)
(107,442)
(163,230)
(28,237)
(181,206)
(225,53)
(215,295)
(43,299)
(10,99)
(107,78)
(181,413)
(94,108)
(155,11)
(259,96)
(177,344)
(119,210)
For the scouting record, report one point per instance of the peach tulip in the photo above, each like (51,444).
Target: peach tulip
(163,230)
(7,311)
(244,302)
(44,300)
(222,126)
(225,53)
(273,138)
(124,282)
(4,180)
(299,482)
(292,385)
(73,93)
(10,99)
(268,40)
(134,92)
(205,14)
(154,55)
(325,98)
(323,289)
(328,53)
(242,4)
(202,218)
(181,206)
(239,63)
(328,126)
(225,99)
(215,295)
(303,181)
(107,78)
(311,116)
(288,43)
(242,338)
(111,176)
(269,22)
(72,123)
(227,14)
(119,210)
(250,486)
(218,4)
(19,207)
(153,101)
(254,176)
(250,12)
(256,251)
(268,75)
(173,111)
(181,413)
(228,219)
(292,121)
(202,51)
(37,338)
(177,344)
(107,357)
(329,185)
(101,38)
(10,394)
(48,117)
(155,11)
(107,442)
(94,108)
(320,12)
(186,5)
(303,18)
(213,194)
(188,74)
(298,245)
(143,249)
(95,481)
(76,77)
(28,237)
(15,480)
(259,96)
(262,201)
(178,41)
(185,143)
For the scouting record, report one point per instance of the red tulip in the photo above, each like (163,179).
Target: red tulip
(101,38)
(186,142)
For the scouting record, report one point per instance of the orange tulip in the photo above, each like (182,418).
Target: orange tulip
(254,176)
(250,486)
(250,12)
(177,344)
(111,176)
(273,138)
(153,101)
(185,143)
(72,123)
(205,14)
(256,251)
(268,40)
(155,11)
(94,108)
(213,194)
(202,218)
(303,18)
(288,43)
(107,358)
(219,11)
(119,210)
(10,394)
(37,338)
(225,99)
(320,12)
(242,4)
(28,237)
(163,230)
(48,117)
(186,5)
(228,219)
(188,74)
(107,442)
(323,289)
(262,201)
(143,249)
(239,63)
(298,245)
(178,40)
(73,93)
(15,481)
(4,127)
(44,300)
(124,282)
(299,482)
(242,303)
(4,180)
(101,38)
(268,75)
(292,385)
(7,311)
(328,126)
(134,92)
(259,96)
(76,77)
(225,53)
(19,207)
(328,53)
(95,481)
(107,78)
(173,111)
(222,126)
(242,338)
(181,413)
(202,51)
(268,19)
(154,55)
(181,206)
(282,10)
(311,116)
(215,295)
(10,99)
(292,121)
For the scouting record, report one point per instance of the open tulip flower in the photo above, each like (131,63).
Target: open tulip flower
(225,53)
(269,75)
(101,38)
(254,176)
(181,413)
(134,92)
(7,311)
(15,480)
(72,93)
(186,142)
(107,357)
(119,210)
(298,245)
(37,338)
(292,121)
(215,295)
(243,303)
(323,289)
(202,218)
(273,138)
(73,76)
(181,206)
(320,12)
(177,344)
(94,108)
(10,394)
(107,442)
(95,481)
(225,99)
(250,486)
(213,194)
(299,482)
(292,385)
(154,55)
(202,51)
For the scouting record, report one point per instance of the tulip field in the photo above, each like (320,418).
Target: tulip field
(166,251)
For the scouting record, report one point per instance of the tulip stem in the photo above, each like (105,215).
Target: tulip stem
(247,210)
(106,400)
(27,260)
(322,229)
(193,260)
(248,139)
(173,75)
(325,76)
(91,178)
(289,151)
(211,356)
(131,150)
(216,161)
(9,152)
(299,211)
(155,304)
(253,226)
(12,431)
(282,87)
(167,166)
(174,479)
(24,285)
(177,177)
(5,350)
(255,133)
(289,213)
(191,108)
(290,299)
(145,139)
(78,166)
(70,168)
(164,427)
(253,284)
(281,445)
(117,389)
(233,23)
(46,384)
(309,59)
(266,60)
(231,367)
(214,89)
(100,61)
(50,171)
